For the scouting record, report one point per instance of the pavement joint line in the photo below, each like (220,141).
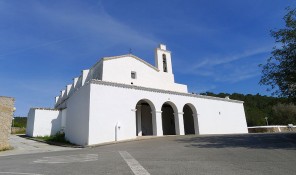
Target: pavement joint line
(68,159)
(133,164)
(19,173)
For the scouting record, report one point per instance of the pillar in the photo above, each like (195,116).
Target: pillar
(157,123)
(196,127)
(179,123)
(63,119)
(138,119)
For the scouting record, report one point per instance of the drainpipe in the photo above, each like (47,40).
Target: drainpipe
(117,128)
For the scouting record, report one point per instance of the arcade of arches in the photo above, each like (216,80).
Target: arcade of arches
(171,121)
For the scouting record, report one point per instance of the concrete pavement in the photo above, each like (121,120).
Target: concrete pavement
(247,154)
(25,146)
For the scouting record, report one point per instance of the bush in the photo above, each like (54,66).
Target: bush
(6,148)
(17,130)
(284,113)
(58,138)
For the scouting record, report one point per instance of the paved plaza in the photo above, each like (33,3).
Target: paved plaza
(22,145)
(246,154)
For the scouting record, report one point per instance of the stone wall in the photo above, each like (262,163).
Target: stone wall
(6,113)
(269,129)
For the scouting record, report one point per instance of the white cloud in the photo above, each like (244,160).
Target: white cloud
(238,75)
(45,44)
(225,68)
(221,59)
(98,25)
(66,28)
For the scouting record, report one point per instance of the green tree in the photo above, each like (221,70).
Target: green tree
(284,113)
(20,122)
(280,70)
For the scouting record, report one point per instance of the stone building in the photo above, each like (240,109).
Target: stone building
(6,114)
(123,97)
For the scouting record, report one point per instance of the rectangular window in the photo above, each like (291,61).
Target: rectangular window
(133,75)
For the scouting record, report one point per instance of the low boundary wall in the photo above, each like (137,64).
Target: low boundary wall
(272,128)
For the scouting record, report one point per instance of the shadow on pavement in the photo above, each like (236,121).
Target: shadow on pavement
(251,141)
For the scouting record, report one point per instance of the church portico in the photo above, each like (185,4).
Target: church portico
(172,120)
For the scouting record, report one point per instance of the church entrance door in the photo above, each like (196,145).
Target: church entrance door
(144,119)
(168,120)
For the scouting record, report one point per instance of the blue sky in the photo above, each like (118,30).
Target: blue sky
(216,45)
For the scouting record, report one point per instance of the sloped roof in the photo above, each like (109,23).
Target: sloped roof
(132,56)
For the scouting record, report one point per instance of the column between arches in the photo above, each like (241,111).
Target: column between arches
(157,123)
(195,119)
(179,123)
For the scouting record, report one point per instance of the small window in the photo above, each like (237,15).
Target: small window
(164,62)
(133,75)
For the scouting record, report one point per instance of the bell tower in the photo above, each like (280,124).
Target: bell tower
(163,59)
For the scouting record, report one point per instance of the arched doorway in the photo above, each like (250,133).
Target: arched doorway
(144,126)
(190,119)
(168,119)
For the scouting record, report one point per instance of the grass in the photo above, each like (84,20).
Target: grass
(6,148)
(57,138)
(19,131)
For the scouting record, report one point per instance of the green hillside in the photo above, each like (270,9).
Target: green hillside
(20,122)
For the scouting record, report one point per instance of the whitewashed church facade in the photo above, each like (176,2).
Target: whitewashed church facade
(123,97)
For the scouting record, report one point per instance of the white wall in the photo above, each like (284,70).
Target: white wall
(43,122)
(219,117)
(77,122)
(110,105)
(30,122)
(63,119)
(119,70)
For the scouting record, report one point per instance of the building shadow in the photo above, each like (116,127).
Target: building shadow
(250,141)
(56,125)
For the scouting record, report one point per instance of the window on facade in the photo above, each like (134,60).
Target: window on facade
(133,75)
(164,62)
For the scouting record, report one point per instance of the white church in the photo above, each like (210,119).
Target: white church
(123,97)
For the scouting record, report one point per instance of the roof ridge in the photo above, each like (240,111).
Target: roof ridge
(130,55)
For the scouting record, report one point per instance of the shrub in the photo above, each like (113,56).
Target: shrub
(58,137)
